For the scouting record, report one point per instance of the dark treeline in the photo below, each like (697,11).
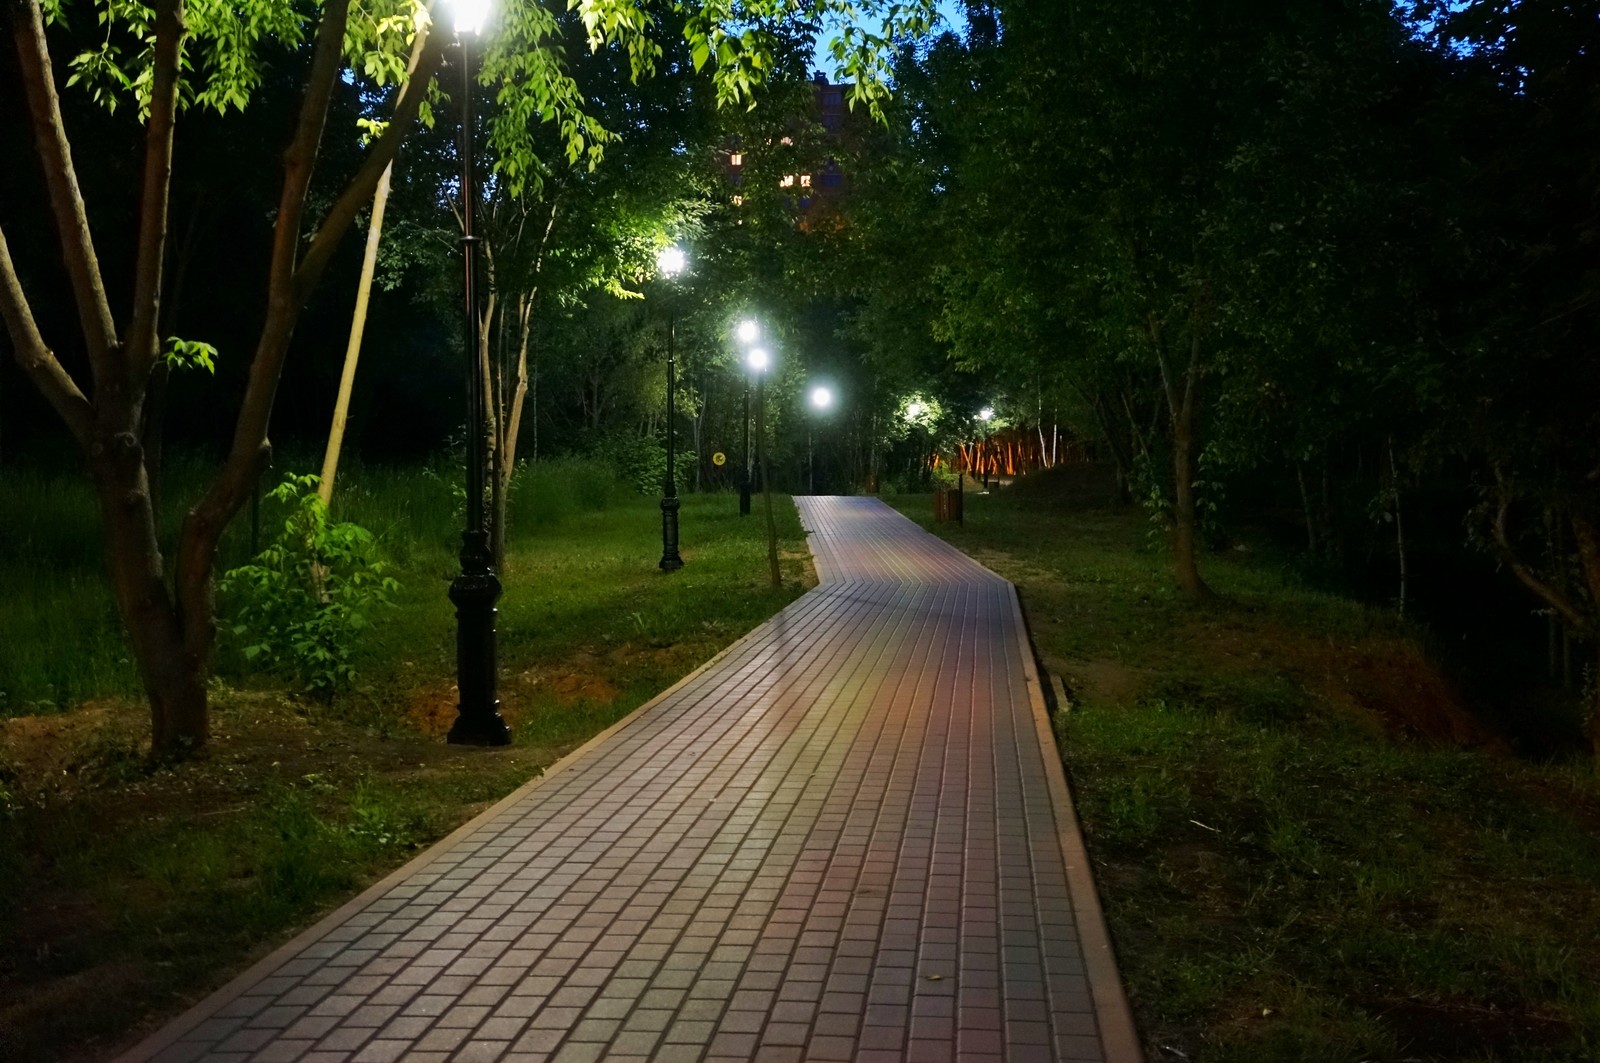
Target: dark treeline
(1329,264)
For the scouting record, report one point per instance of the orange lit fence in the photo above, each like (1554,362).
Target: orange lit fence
(1013,452)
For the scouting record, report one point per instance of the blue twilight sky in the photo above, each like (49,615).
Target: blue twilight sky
(954,19)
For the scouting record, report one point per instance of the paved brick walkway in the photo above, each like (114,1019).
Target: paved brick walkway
(844,838)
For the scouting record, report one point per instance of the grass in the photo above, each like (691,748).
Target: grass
(1306,848)
(140,887)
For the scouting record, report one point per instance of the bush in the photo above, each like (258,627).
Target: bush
(642,461)
(303,603)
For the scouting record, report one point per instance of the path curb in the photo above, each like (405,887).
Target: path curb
(1118,1034)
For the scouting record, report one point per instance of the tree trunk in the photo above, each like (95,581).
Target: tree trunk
(1305,506)
(172,637)
(766,487)
(1185,447)
(1186,530)
(1587,537)
(352,350)
(1121,448)
(490,382)
(173,675)
(1399,525)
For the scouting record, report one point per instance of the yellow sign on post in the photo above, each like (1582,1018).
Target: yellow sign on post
(719,458)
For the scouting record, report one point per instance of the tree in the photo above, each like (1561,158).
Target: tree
(171,56)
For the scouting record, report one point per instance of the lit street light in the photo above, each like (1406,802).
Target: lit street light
(915,410)
(476,590)
(759,361)
(748,332)
(821,402)
(670,263)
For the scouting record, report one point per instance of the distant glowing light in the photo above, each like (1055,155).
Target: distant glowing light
(986,414)
(821,397)
(914,411)
(758,360)
(671,261)
(470,15)
(749,331)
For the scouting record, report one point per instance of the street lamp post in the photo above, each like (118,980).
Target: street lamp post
(748,333)
(758,361)
(670,263)
(914,411)
(476,590)
(821,400)
(985,415)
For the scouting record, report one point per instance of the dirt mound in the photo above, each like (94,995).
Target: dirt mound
(1385,682)
(66,751)
(1394,682)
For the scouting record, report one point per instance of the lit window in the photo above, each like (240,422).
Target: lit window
(736,159)
(805,180)
(787,182)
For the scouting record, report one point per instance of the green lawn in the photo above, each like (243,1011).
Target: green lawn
(1298,857)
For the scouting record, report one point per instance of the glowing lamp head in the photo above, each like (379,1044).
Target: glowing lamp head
(671,261)
(748,331)
(758,360)
(821,398)
(914,411)
(986,414)
(470,16)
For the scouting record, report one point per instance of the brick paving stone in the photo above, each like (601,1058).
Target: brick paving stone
(839,841)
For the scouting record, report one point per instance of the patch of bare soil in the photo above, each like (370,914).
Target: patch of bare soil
(1385,683)
(1101,681)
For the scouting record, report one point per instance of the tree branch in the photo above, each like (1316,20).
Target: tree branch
(143,343)
(288,287)
(359,191)
(35,358)
(300,158)
(1552,596)
(66,201)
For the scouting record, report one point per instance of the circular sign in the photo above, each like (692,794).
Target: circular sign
(719,458)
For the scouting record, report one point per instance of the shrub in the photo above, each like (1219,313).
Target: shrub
(642,460)
(303,603)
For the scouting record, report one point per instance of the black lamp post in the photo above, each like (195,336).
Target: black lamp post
(821,401)
(671,262)
(748,332)
(985,415)
(476,590)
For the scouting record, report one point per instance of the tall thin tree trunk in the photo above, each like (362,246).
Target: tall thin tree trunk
(1185,443)
(1587,538)
(358,318)
(352,350)
(766,487)
(1399,525)
(1305,506)
(526,383)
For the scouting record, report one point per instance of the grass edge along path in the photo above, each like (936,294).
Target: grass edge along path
(1292,865)
(139,889)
